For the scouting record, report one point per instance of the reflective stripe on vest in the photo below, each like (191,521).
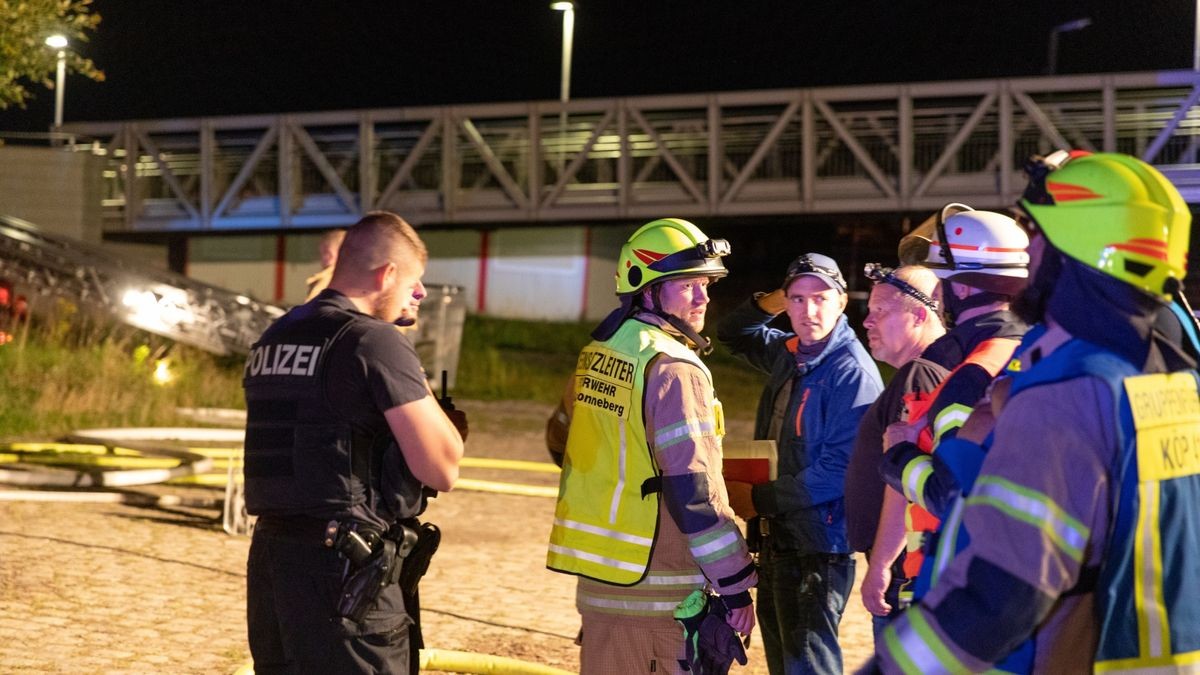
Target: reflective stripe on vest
(992,355)
(1153,556)
(604,529)
(657,594)
(1146,594)
(1036,509)
(952,416)
(949,541)
(915,474)
(917,649)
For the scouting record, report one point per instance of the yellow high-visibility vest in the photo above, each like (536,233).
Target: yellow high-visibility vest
(604,528)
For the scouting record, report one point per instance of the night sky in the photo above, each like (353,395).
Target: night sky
(174,58)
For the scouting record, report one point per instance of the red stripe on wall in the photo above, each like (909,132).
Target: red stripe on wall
(280,258)
(481,299)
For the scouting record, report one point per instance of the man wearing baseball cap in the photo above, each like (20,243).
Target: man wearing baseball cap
(820,382)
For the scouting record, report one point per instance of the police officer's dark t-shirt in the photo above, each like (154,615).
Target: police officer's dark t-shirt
(864,487)
(372,370)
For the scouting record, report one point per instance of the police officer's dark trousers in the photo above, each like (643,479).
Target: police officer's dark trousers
(292,584)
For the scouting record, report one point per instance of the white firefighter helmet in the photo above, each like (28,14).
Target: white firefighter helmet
(982,249)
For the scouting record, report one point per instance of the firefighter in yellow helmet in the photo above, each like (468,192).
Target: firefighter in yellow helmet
(1084,513)
(642,516)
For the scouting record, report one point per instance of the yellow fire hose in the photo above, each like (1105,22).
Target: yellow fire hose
(128,457)
(449,661)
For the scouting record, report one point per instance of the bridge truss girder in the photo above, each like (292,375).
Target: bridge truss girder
(873,148)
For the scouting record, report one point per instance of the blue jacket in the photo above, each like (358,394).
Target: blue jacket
(805,503)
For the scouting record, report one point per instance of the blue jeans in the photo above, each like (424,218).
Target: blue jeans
(801,598)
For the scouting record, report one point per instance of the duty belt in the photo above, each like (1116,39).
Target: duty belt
(300,529)
(374,558)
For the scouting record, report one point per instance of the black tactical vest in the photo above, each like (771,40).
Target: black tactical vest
(302,459)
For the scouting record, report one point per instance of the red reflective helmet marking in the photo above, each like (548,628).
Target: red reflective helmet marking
(1147,247)
(647,256)
(990,249)
(1066,192)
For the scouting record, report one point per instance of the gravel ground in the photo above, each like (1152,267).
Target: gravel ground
(117,588)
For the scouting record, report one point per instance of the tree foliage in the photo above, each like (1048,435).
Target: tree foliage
(24,57)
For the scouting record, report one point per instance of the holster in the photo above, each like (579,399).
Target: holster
(375,561)
(416,564)
(364,583)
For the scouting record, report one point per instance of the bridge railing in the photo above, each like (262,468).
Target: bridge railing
(894,147)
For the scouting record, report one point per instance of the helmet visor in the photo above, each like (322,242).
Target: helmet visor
(704,257)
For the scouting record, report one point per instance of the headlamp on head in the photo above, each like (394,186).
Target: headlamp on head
(879,274)
(809,264)
(705,250)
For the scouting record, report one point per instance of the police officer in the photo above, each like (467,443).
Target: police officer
(343,435)
(1085,509)
(642,516)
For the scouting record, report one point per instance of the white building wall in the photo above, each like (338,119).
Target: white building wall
(301,260)
(53,188)
(535,273)
(604,248)
(454,261)
(252,264)
(556,273)
(244,264)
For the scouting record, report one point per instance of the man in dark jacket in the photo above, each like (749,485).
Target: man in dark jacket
(821,381)
(902,322)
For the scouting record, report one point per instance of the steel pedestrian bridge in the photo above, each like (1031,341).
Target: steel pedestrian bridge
(873,148)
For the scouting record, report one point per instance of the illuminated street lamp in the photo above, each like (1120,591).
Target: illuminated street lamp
(59,42)
(1052,48)
(567,7)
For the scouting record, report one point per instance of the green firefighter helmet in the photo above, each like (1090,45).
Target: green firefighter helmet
(665,248)
(1114,213)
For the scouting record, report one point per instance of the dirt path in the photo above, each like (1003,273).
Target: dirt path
(537,599)
(111,588)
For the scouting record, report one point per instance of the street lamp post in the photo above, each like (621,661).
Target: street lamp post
(59,42)
(1196,40)
(567,7)
(1052,48)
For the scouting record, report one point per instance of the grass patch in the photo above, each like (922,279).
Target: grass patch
(56,380)
(531,360)
(51,388)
